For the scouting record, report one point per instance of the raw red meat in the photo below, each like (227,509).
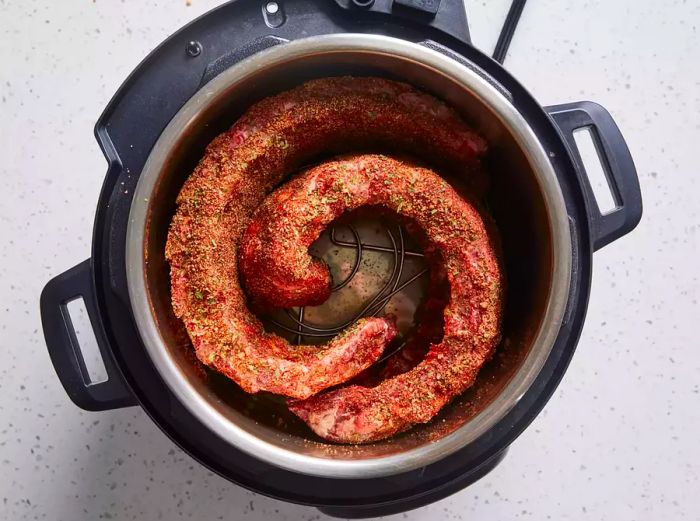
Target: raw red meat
(270,141)
(276,245)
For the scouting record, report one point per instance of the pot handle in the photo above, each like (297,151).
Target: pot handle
(64,348)
(617,164)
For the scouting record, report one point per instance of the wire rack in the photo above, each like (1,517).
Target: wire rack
(374,305)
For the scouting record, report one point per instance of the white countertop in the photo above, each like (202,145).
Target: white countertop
(619,440)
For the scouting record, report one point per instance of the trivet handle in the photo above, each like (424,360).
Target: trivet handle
(64,348)
(617,164)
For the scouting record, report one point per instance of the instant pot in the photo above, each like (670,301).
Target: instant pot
(194,86)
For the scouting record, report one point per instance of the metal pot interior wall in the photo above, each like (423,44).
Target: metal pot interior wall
(515,201)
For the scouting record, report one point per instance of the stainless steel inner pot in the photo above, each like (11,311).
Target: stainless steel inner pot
(525,200)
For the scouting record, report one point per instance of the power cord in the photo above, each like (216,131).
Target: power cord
(508,29)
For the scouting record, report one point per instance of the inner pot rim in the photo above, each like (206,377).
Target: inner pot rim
(418,457)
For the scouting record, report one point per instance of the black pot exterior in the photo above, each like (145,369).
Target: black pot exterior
(127,131)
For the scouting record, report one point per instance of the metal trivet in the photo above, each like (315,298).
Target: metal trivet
(376,304)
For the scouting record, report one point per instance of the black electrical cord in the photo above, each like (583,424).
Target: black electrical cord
(508,29)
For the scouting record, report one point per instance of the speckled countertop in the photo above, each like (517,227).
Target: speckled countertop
(619,440)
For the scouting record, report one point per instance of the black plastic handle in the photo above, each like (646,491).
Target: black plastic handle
(617,164)
(64,349)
